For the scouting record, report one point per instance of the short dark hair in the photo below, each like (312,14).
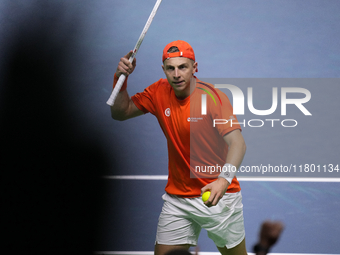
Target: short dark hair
(173,49)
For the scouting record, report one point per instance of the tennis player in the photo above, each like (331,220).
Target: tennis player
(202,156)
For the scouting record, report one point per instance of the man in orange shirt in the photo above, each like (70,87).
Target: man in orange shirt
(202,156)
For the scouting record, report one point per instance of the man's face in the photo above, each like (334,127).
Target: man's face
(178,71)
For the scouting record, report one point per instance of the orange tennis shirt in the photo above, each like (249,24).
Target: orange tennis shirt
(196,149)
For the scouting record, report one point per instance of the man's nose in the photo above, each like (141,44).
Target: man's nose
(176,73)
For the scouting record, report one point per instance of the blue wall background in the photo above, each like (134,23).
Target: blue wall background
(232,39)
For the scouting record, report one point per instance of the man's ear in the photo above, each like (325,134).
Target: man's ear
(195,67)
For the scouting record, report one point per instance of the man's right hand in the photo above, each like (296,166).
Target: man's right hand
(124,65)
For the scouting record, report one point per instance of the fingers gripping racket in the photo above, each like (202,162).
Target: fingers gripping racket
(139,42)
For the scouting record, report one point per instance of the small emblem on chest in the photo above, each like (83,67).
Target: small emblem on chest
(167,112)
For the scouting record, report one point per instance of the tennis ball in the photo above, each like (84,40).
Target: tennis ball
(205,196)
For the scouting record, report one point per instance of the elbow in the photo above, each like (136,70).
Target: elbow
(118,117)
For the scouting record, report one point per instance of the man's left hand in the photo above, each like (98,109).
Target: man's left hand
(217,188)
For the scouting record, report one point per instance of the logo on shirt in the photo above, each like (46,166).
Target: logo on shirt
(194,119)
(167,112)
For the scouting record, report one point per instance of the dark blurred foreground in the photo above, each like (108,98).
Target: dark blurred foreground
(50,163)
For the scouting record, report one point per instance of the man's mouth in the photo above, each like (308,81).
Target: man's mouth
(178,82)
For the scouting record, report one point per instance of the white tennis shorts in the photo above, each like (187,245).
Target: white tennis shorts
(182,219)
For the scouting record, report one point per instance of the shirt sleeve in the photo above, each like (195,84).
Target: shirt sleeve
(224,113)
(145,101)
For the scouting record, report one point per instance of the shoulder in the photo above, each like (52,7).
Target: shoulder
(160,86)
(216,94)
(152,97)
(161,83)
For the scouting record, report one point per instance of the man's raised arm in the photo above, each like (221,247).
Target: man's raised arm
(124,108)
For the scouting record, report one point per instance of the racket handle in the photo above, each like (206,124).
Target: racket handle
(116,90)
(119,83)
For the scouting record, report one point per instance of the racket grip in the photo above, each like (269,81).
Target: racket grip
(119,83)
(116,90)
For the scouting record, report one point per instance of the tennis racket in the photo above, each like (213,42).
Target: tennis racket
(135,50)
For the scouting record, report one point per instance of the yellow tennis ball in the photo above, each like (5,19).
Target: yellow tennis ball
(205,196)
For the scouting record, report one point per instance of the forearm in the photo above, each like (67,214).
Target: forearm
(123,107)
(120,109)
(237,148)
(236,153)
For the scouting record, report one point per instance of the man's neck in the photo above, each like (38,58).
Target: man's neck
(191,89)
